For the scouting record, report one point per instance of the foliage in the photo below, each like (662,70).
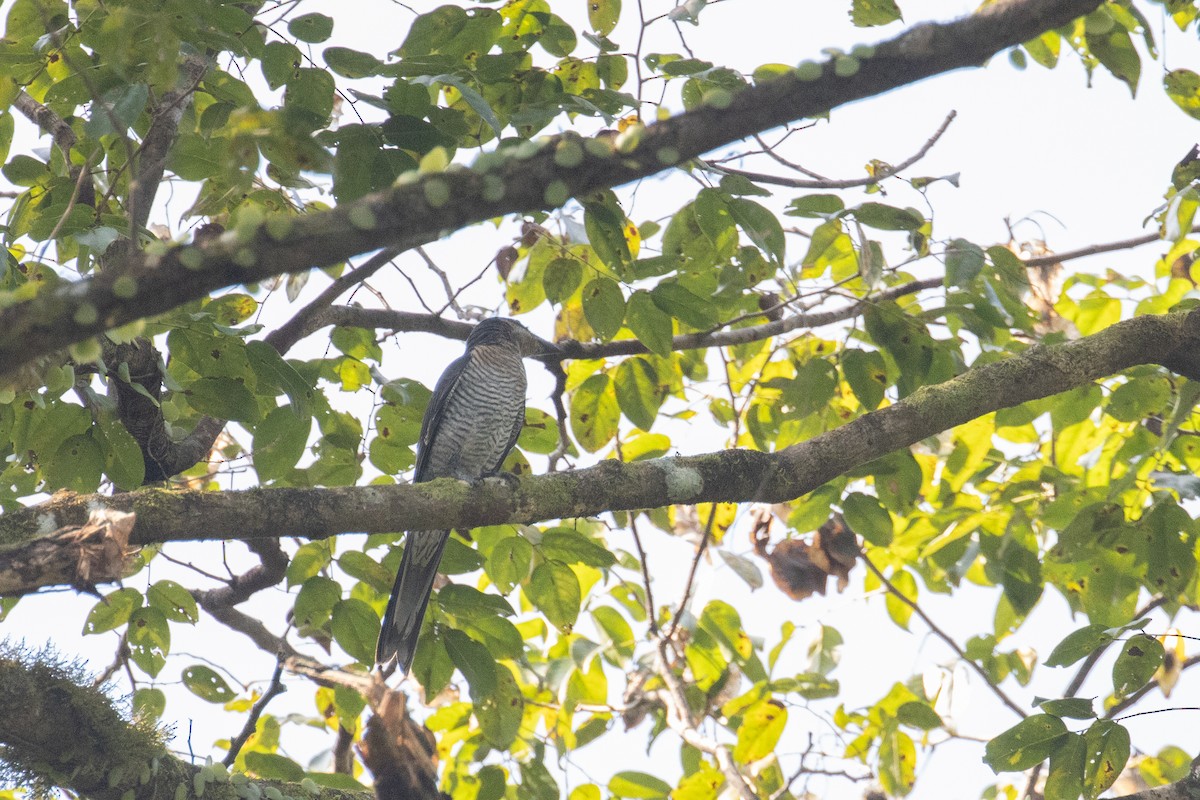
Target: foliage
(543,629)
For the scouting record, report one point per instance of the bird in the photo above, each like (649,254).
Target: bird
(472,422)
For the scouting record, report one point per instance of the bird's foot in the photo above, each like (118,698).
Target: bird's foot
(509,478)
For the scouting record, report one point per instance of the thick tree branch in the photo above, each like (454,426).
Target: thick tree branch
(152,155)
(141,413)
(1171,340)
(105,756)
(418,210)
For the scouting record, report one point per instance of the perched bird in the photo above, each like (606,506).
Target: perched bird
(472,422)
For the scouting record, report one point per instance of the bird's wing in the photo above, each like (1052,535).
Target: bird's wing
(518,423)
(434,414)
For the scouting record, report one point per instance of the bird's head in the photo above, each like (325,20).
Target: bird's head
(510,333)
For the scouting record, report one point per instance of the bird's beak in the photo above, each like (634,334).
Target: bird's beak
(536,347)
(547,350)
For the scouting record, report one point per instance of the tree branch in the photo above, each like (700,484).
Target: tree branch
(105,756)
(831,183)
(945,637)
(408,321)
(524,178)
(1170,340)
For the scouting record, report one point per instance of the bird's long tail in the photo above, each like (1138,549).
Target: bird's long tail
(410,595)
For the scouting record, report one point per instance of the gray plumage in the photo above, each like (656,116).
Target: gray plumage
(471,424)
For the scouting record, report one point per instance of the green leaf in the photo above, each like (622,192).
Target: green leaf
(500,712)
(310,558)
(594,413)
(1107,749)
(473,99)
(355,627)
(615,629)
(919,715)
(761,226)
(866,373)
(149,703)
(1137,399)
(1183,87)
(508,563)
(474,661)
(273,767)
(1065,777)
(315,601)
(149,638)
(311,91)
(868,13)
(223,398)
(964,262)
(867,517)
(1079,644)
(1029,742)
(555,590)
(684,305)
(604,306)
(311,28)
(649,323)
(603,15)
(352,63)
(815,206)
(888,218)
(280,60)
(605,224)
(358,564)
(761,727)
(1069,707)
(638,391)
(1114,49)
(75,465)
(279,442)
(117,110)
(207,684)
(572,547)
(1140,658)
(897,763)
(638,785)
(174,601)
(112,611)
(560,280)
(124,462)
(900,611)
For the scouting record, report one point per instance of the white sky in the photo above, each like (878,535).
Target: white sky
(1025,142)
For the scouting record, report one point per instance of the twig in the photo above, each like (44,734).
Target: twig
(1096,249)
(275,689)
(829,183)
(941,634)
(296,328)
(691,578)
(679,719)
(119,660)
(770,151)
(637,542)
(451,295)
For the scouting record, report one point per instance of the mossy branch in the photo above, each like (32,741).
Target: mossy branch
(106,756)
